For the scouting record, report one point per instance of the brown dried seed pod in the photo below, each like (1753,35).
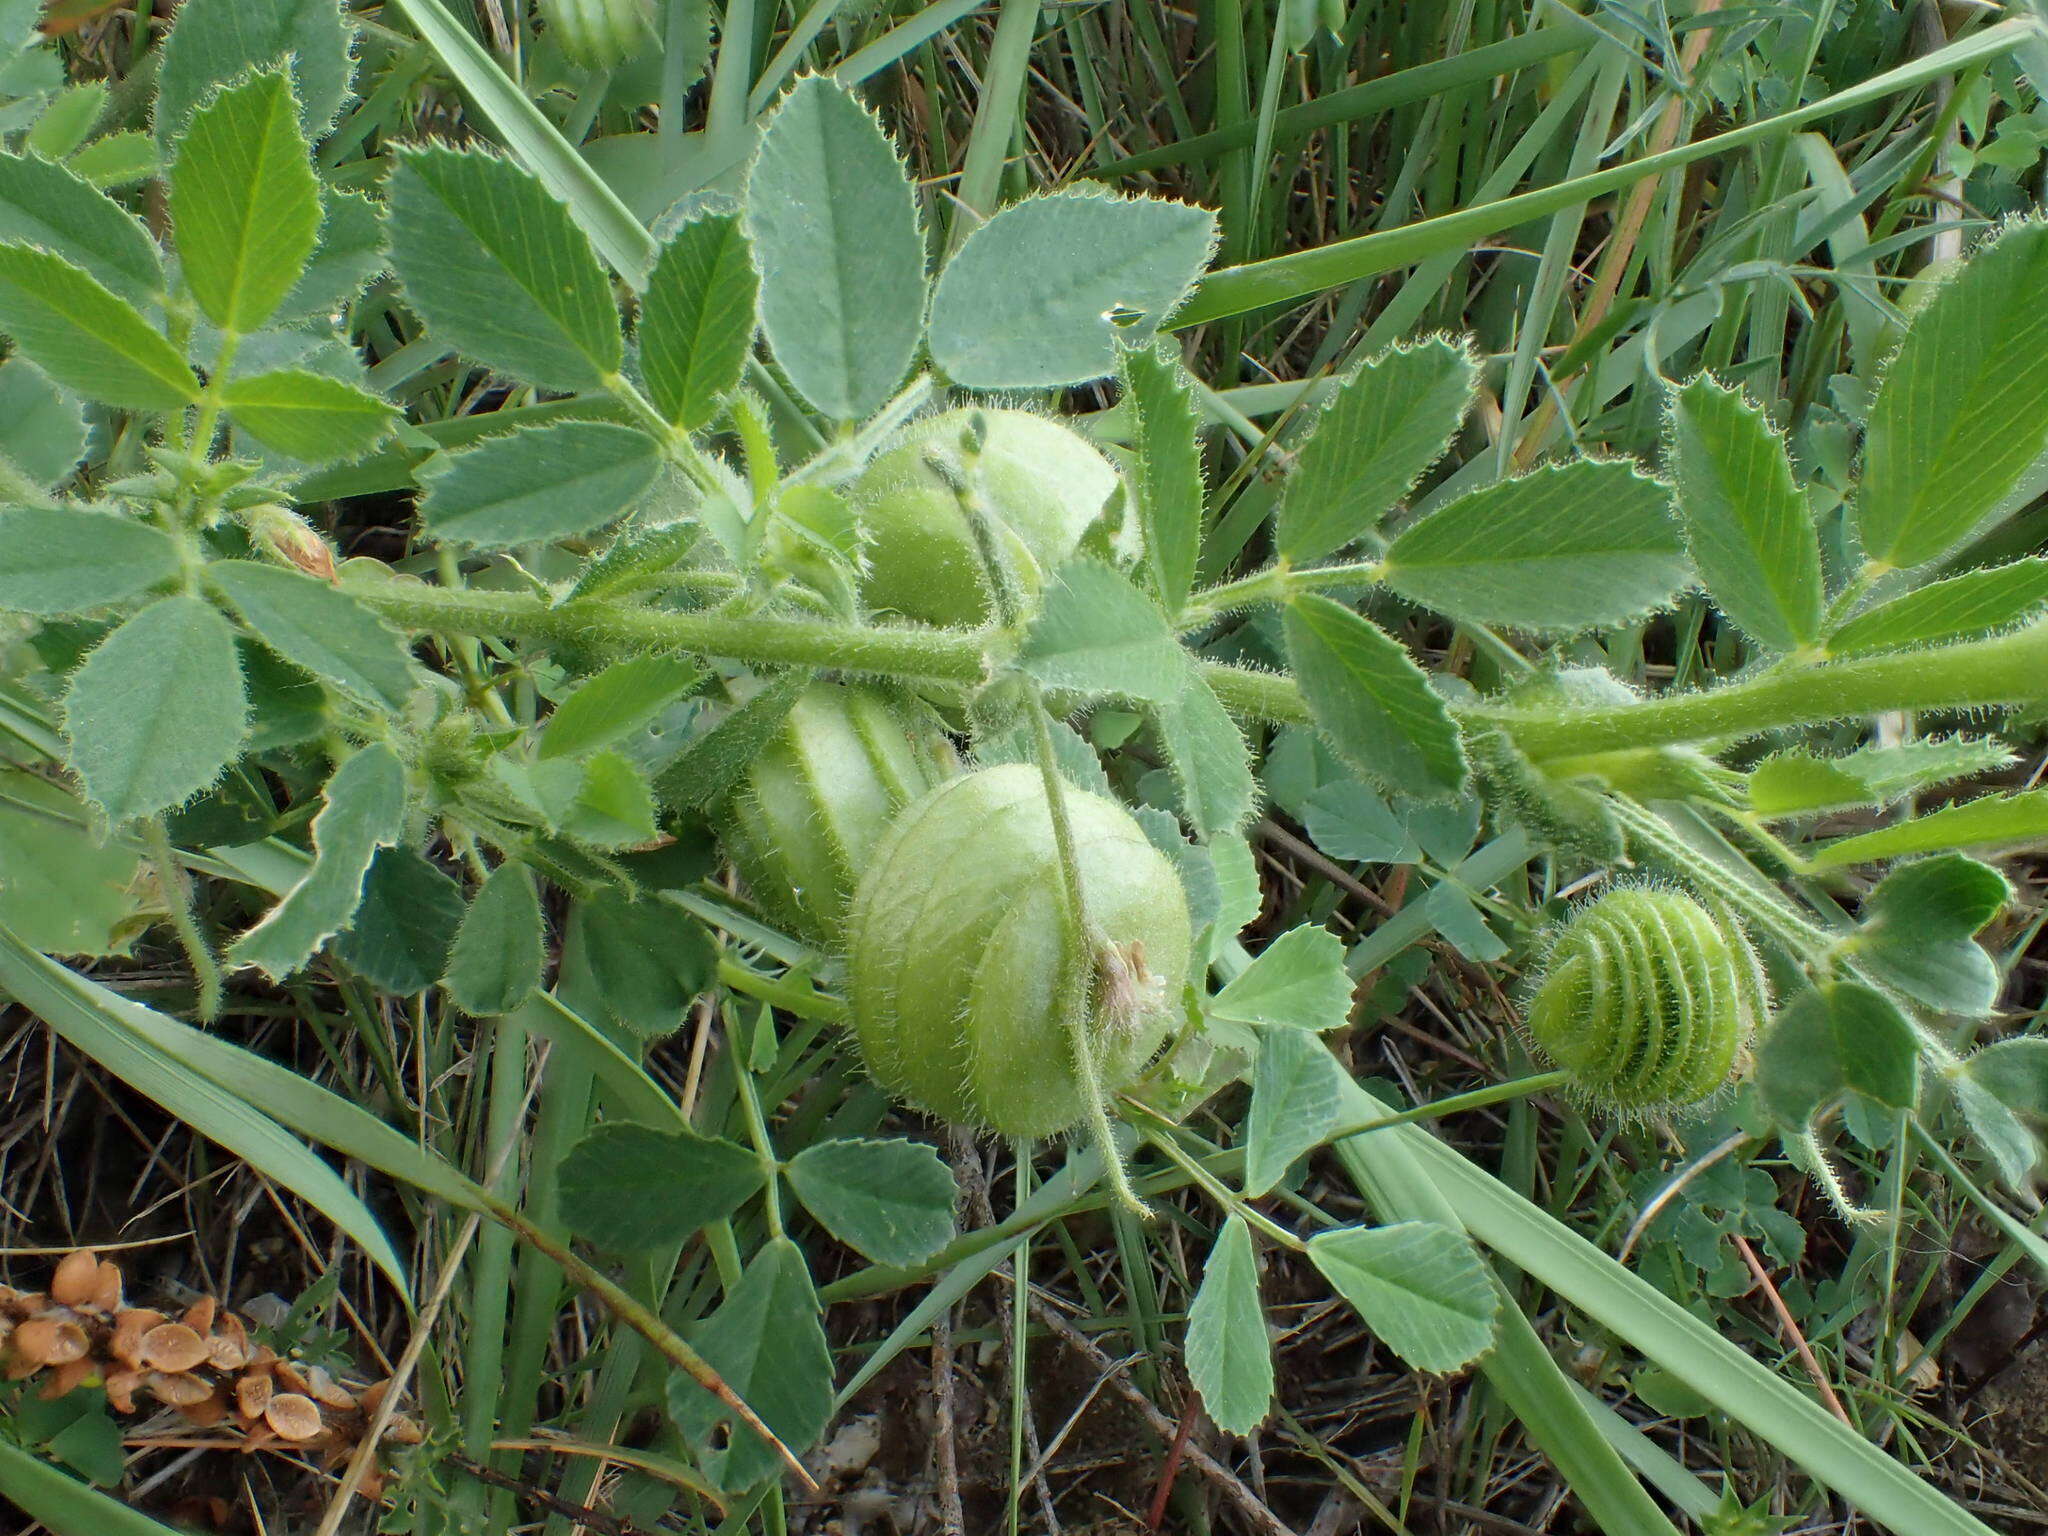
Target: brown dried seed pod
(121,1389)
(173,1347)
(326,1391)
(66,1379)
(252,1396)
(199,1316)
(293,1416)
(402,1431)
(50,1340)
(76,1278)
(178,1389)
(130,1327)
(205,1413)
(106,1287)
(228,1347)
(372,1397)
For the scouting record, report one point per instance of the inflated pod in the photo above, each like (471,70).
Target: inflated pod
(1041,485)
(957,946)
(1647,1001)
(813,804)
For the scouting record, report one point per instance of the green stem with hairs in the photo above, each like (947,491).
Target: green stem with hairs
(177,889)
(2007,669)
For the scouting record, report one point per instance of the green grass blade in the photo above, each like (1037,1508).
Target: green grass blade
(1239,290)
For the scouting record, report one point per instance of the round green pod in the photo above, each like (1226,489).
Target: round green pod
(956,945)
(1041,483)
(1647,1001)
(814,802)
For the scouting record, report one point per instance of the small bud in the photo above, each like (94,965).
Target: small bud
(291,539)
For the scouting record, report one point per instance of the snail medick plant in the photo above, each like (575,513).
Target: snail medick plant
(768,559)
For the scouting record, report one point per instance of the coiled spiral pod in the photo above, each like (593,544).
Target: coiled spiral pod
(599,34)
(958,947)
(1647,1002)
(816,800)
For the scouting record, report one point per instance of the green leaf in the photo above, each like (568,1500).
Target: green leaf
(1999,1133)
(1918,932)
(834,226)
(154,1055)
(308,416)
(244,204)
(1298,981)
(1797,1066)
(712,764)
(1963,410)
(1370,700)
(66,121)
(603,800)
(404,926)
(649,960)
(889,1201)
(87,338)
(42,429)
(1960,608)
(500,948)
(1796,782)
(1386,422)
(57,560)
(1747,523)
(1097,634)
(697,319)
(63,891)
(1295,1092)
(629,1188)
(158,710)
(320,628)
(216,41)
(536,484)
(1166,479)
(1583,545)
(350,253)
(53,209)
(1421,1287)
(1876,1044)
(2014,1072)
(1229,1359)
(1041,294)
(1989,821)
(766,1343)
(615,703)
(115,160)
(1206,751)
(500,271)
(364,811)
(1349,821)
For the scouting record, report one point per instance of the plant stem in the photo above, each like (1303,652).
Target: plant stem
(1275,584)
(177,889)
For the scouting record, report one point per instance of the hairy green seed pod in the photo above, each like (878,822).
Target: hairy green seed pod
(598,34)
(957,947)
(1041,485)
(1647,1001)
(815,801)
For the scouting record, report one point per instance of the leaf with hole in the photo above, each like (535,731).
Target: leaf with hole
(1588,544)
(1230,1361)
(889,1201)
(1385,423)
(1042,293)
(1421,1287)
(833,221)
(158,710)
